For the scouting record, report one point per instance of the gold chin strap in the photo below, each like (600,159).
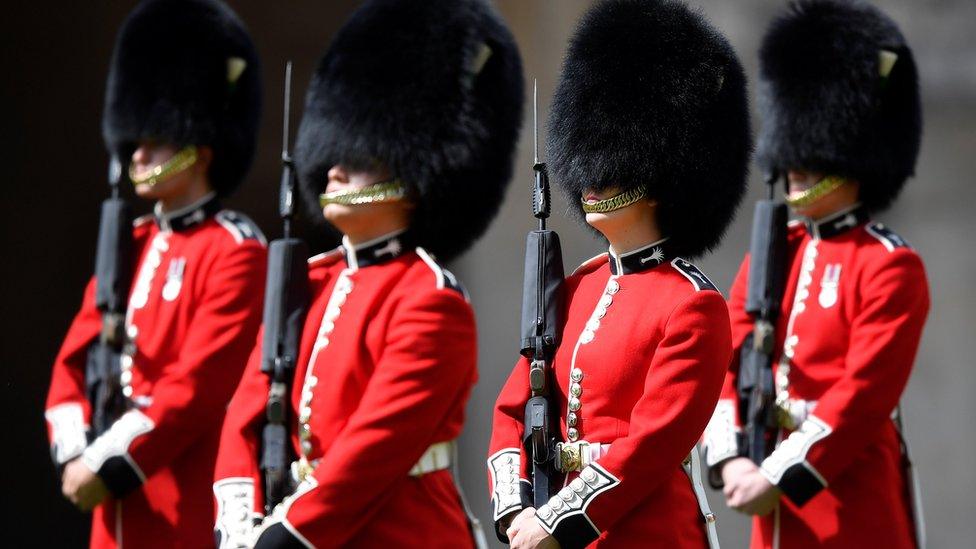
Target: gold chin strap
(823,187)
(621,200)
(384,191)
(183,159)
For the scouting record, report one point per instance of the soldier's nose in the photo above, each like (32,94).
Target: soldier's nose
(338,174)
(141,155)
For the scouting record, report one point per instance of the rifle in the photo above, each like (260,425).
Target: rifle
(113,277)
(541,311)
(767,278)
(285,305)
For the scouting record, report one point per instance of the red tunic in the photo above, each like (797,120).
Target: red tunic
(387,360)
(194,310)
(645,345)
(851,321)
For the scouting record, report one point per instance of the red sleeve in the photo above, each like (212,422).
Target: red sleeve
(67,411)
(508,466)
(720,442)
(237,477)
(885,335)
(425,373)
(682,385)
(192,396)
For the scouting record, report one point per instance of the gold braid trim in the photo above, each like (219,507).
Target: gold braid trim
(823,187)
(386,191)
(621,200)
(183,159)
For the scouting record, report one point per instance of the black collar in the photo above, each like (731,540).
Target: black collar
(837,223)
(376,251)
(188,216)
(641,259)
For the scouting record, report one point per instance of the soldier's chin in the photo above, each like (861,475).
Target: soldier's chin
(595,216)
(334,212)
(145,190)
(601,219)
(342,216)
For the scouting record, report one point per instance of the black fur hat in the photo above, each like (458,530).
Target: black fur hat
(826,104)
(432,90)
(652,95)
(200,86)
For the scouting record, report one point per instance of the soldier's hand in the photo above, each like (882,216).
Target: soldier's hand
(753,494)
(734,469)
(515,524)
(733,473)
(527,533)
(82,486)
(505,523)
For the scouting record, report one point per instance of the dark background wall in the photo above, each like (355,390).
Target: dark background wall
(54,59)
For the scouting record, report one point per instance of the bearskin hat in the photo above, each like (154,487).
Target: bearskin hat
(202,86)
(433,91)
(839,95)
(652,96)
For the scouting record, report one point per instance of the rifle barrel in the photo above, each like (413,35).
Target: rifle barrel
(285,125)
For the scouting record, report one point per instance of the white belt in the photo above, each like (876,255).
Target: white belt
(692,467)
(437,458)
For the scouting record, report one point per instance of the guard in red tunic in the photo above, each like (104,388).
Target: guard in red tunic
(406,147)
(842,121)
(649,137)
(182,114)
